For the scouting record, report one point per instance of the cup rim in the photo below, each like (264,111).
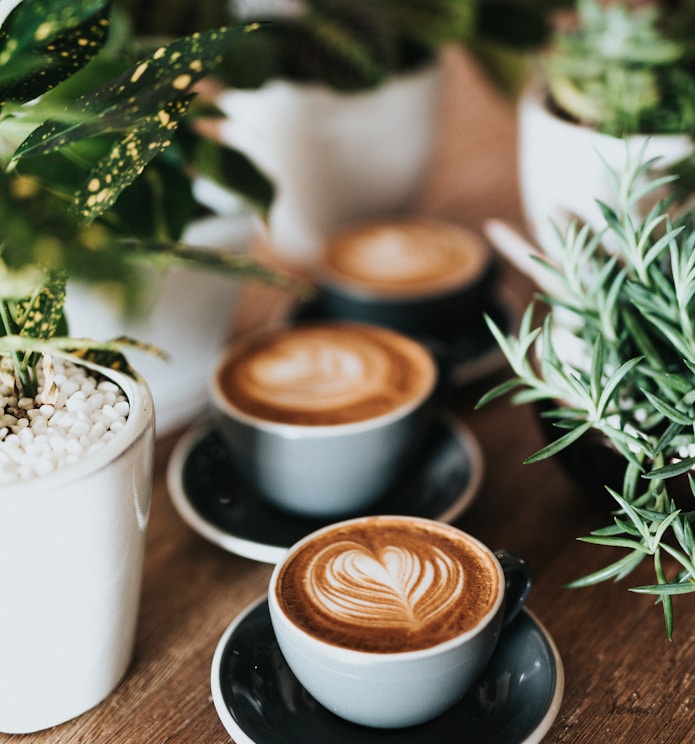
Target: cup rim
(225,407)
(421,653)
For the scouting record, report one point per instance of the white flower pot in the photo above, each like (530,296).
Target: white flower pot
(335,157)
(189,319)
(562,170)
(71,556)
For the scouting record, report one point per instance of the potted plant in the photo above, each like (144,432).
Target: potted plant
(76,422)
(612,73)
(181,300)
(627,374)
(325,81)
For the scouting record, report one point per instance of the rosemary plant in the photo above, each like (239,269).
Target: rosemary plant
(625,69)
(630,311)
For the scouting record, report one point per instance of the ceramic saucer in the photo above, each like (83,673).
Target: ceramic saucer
(260,701)
(211,497)
(466,350)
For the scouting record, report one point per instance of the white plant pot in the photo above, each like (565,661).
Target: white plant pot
(562,170)
(189,319)
(335,157)
(71,556)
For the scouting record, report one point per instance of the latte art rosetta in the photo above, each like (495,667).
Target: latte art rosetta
(395,587)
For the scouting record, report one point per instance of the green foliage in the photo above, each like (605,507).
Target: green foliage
(43,43)
(356,44)
(623,69)
(628,311)
(84,118)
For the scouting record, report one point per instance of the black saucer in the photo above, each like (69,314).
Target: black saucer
(211,498)
(260,701)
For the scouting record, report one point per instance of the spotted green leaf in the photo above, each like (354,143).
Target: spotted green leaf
(43,42)
(127,159)
(141,109)
(44,312)
(144,90)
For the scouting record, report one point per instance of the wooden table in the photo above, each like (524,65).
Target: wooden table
(625,682)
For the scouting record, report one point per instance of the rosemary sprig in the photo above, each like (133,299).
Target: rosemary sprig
(624,299)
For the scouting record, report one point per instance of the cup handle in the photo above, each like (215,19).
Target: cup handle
(518,579)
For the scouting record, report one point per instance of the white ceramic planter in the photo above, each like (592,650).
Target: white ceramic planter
(562,170)
(335,158)
(189,319)
(71,556)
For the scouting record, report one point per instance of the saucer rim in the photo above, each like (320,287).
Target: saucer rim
(241,737)
(270,553)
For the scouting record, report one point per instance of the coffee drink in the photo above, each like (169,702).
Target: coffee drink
(388,585)
(410,258)
(320,419)
(388,620)
(326,374)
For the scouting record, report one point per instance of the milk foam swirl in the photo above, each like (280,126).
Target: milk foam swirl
(328,374)
(414,256)
(391,258)
(316,372)
(387,584)
(394,587)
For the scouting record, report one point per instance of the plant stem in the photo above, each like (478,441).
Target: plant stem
(7,325)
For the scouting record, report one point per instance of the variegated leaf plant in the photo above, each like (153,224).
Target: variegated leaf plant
(69,151)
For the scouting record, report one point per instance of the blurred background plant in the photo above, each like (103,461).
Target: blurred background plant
(625,67)
(357,44)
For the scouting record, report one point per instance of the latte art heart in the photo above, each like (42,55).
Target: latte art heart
(388,584)
(394,587)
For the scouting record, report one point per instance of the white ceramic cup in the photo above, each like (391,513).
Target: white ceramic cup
(365,582)
(291,437)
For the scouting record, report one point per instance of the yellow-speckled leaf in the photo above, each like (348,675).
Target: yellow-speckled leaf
(43,42)
(127,160)
(167,75)
(44,313)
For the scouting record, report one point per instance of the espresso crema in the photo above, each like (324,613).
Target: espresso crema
(388,585)
(326,374)
(409,258)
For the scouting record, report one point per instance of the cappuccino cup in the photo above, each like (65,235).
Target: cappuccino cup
(320,418)
(387,620)
(417,276)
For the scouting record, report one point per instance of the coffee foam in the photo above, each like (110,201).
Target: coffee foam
(407,258)
(388,587)
(326,374)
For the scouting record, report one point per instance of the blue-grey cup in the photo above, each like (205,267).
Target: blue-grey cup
(321,418)
(388,620)
(417,275)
